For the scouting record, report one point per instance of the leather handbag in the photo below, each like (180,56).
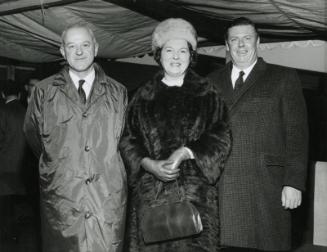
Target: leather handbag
(168,221)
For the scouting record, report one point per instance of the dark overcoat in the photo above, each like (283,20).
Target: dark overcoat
(13,148)
(269,126)
(161,119)
(83,182)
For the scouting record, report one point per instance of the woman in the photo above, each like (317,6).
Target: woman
(176,130)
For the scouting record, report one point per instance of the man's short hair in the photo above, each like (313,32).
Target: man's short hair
(11,87)
(241,21)
(77,25)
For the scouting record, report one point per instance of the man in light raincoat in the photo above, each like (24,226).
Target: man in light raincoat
(74,123)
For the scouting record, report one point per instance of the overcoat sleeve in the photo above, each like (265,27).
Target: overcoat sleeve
(32,122)
(213,147)
(296,132)
(131,147)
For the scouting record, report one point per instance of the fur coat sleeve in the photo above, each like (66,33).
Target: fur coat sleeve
(131,145)
(212,147)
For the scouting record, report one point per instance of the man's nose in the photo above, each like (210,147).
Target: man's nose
(241,42)
(79,50)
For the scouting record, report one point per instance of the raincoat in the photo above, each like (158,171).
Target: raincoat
(82,177)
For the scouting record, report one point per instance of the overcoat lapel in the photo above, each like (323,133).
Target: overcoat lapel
(226,86)
(239,96)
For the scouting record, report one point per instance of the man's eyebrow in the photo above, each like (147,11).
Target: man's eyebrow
(72,42)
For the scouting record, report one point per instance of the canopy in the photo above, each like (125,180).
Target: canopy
(30,29)
(34,34)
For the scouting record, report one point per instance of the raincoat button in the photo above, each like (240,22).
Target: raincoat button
(87,215)
(84,114)
(87,181)
(87,148)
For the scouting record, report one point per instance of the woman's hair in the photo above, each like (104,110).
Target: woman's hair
(193,55)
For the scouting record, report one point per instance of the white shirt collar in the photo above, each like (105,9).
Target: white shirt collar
(89,79)
(11,99)
(236,70)
(173,83)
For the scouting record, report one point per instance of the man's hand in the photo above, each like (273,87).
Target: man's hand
(161,169)
(291,197)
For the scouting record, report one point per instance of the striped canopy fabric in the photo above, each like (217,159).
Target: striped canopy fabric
(30,29)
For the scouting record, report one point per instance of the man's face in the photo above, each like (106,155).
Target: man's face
(79,49)
(242,43)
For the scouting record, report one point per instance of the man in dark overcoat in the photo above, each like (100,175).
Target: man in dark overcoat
(13,151)
(266,171)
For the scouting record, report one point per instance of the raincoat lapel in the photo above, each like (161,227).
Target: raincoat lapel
(98,89)
(65,85)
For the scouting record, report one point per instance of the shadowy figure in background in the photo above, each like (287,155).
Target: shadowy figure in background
(13,153)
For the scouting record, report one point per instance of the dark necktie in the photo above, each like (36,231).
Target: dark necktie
(81,92)
(239,82)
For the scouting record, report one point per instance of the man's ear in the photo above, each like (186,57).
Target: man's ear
(62,51)
(258,41)
(227,46)
(96,48)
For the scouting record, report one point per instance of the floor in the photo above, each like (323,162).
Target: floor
(28,236)
(306,244)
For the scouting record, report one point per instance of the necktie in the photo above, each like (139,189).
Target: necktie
(239,82)
(81,92)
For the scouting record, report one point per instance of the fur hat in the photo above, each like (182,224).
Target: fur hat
(173,28)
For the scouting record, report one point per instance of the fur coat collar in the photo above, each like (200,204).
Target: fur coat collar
(194,85)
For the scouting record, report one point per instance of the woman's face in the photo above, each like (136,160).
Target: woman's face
(175,57)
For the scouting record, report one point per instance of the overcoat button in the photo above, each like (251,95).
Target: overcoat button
(87,148)
(87,215)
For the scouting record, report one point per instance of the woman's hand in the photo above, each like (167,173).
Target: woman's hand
(161,169)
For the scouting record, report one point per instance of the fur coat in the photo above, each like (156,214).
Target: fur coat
(160,119)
